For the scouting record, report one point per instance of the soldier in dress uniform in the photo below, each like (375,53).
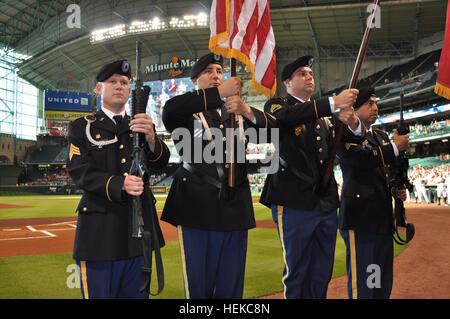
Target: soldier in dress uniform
(99,160)
(306,221)
(365,215)
(212,226)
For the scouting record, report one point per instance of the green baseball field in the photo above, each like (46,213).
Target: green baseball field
(36,239)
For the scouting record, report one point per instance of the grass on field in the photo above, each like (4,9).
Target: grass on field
(52,276)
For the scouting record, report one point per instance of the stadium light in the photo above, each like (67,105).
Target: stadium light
(154,25)
(108,33)
(12,56)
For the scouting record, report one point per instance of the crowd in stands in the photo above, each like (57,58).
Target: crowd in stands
(256,182)
(431,182)
(430,178)
(60,177)
(419,130)
(56,177)
(414,75)
(434,128)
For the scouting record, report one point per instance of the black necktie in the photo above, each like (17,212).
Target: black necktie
(118,119)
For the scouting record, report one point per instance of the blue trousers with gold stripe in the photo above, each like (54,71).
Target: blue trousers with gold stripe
(111,279)
(308,240)
(372,255)
(213,263)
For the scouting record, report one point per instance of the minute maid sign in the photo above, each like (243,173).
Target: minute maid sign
(175,67)
(67,101)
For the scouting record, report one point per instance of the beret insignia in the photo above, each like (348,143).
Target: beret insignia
(125,66)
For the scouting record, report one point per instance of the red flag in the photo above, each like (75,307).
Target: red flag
(241,29)
(442,87)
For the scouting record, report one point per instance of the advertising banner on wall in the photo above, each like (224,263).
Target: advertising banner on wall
(63,107)
(67,101)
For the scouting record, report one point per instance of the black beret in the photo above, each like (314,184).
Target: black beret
(363,96)
(121,67)
(203,63)
(306,60)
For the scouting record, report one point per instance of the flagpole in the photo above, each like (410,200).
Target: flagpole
(232,164)
(321,187)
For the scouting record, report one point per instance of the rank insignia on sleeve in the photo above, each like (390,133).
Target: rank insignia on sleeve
(275,107)
(73,151)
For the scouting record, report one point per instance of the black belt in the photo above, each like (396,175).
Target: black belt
(204,177)
(297,172)
(220,184)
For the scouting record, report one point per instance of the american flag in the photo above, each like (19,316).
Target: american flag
(442,87)
(241,29)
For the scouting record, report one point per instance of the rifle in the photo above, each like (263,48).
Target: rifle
(139,101)
(321,186)
(138,168)
(401,181)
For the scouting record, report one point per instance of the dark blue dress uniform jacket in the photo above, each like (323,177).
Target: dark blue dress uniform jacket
(306,135)
(192,202)
(104,219)
(366,201)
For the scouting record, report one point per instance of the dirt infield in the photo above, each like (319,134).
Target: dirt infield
(20,237)
(4,206)
(421,271)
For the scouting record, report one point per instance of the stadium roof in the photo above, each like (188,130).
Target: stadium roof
(37,38)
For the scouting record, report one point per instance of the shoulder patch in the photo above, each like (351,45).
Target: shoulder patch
(275,107)
(348,145)
(74,150)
